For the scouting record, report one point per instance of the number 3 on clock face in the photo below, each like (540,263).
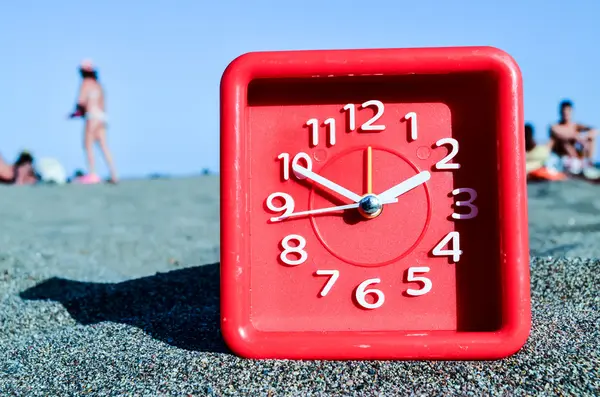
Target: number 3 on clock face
(368,228)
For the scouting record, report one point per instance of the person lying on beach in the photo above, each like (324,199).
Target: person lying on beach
(574,143)
(536,156)
(24,172)
(20,173)
(7,173)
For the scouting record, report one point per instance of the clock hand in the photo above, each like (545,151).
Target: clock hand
(326,182)
(369,171)
(323,210)
(405,186)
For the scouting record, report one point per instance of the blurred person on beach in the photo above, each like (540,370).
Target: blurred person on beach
(574,143)
(7,173)
(25,173)
(536,158)
(91,106)
(21,172)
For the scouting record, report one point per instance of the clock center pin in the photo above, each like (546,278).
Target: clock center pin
(370,206)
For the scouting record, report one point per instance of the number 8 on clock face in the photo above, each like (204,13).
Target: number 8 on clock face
(372,211)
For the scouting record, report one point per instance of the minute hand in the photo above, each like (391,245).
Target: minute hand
(324,210)
(405,186)
(327,183)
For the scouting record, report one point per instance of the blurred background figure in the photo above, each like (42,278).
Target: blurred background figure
(91,106)
(24,172)
(574,143)
(21,172)
(537,156)
(6,172)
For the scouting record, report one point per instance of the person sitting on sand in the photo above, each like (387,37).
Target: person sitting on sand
(574,143)
(536,156)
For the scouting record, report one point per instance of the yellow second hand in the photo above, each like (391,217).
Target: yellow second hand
(369,170)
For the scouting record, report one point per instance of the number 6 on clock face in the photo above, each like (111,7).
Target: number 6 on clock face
(362,291)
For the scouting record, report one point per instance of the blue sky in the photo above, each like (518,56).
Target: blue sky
(161,62)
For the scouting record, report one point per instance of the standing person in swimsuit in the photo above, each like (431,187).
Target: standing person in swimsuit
(574,142)
(90,105)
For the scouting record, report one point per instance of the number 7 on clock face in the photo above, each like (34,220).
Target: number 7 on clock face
(371,213)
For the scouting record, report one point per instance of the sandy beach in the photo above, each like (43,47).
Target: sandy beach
(114,290)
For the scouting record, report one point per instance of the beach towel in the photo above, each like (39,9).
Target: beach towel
(51,170)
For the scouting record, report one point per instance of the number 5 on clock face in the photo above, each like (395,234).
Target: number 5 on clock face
(366,227)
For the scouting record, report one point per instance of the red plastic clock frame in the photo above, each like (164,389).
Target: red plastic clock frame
(236,327)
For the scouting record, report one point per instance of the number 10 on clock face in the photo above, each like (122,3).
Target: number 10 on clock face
(371,222)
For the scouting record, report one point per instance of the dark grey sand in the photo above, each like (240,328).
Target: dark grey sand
(113,290)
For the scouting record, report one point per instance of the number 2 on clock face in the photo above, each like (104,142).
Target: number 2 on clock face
(358,173)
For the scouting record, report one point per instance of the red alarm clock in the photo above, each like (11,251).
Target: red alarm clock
(373,205)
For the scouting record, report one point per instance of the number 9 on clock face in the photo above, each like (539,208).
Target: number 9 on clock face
(370,216)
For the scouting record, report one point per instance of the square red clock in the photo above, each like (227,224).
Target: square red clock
(373,205)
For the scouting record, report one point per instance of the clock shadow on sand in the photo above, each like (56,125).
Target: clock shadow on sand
(180,307)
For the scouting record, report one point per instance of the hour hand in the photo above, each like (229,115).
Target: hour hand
(327,183)
(405,186)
